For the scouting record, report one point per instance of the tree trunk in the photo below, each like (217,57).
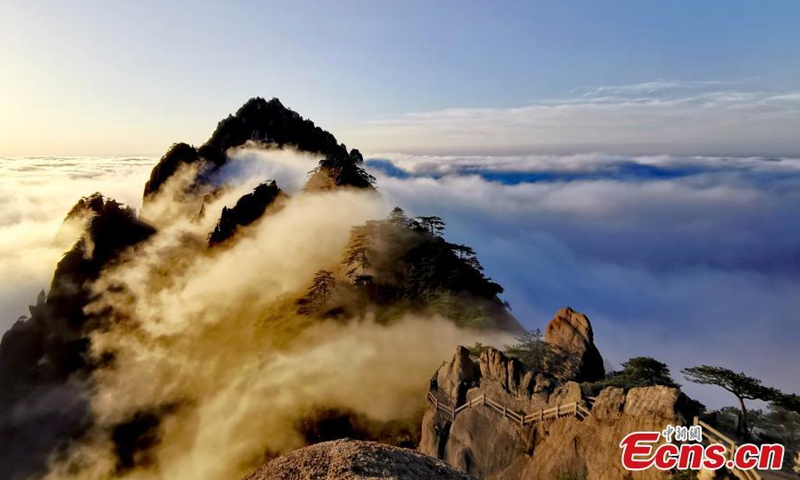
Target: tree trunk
(742,427)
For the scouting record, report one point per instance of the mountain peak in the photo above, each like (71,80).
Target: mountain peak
(265,122)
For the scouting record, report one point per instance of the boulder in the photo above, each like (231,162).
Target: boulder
(657,402)
(571,336)
(457,376)
(355,460)
(509,373)
(568,393)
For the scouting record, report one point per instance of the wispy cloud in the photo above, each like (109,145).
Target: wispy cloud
(660,117)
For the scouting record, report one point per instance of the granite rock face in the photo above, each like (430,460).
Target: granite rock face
(482,442)
(355,460)
(570,333)
(590,448)
(458,376)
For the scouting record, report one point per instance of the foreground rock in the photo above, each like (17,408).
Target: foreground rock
(355,460)
(490,444)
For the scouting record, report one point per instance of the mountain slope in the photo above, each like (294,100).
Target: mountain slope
(54,364)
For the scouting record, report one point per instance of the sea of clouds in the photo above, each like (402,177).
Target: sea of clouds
(687,259)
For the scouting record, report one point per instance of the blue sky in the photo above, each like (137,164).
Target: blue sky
(131,78)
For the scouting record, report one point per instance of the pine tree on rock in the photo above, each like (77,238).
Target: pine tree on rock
(742,386)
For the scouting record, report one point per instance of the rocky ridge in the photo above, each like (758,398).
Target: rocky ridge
(479,441)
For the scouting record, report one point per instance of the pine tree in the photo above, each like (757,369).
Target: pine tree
(358,253)
(739,384)
(398,217)
(531,349)
(433,225)
(467,255)
(319,293)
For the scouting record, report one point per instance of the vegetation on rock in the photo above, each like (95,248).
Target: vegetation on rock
(740,385)
(397,266)
(247,210)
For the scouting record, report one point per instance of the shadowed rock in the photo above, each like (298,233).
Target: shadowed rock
(264,122)
(44,363)
(179,154)
(247,210)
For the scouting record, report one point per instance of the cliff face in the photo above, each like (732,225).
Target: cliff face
(591,447)
(582,438)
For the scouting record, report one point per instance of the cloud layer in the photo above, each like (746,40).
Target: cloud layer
(213,338)
(688,259)
(35,195)
(675,117)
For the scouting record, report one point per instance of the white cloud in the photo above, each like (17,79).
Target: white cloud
(36,194)
(710,118)
(691,269)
